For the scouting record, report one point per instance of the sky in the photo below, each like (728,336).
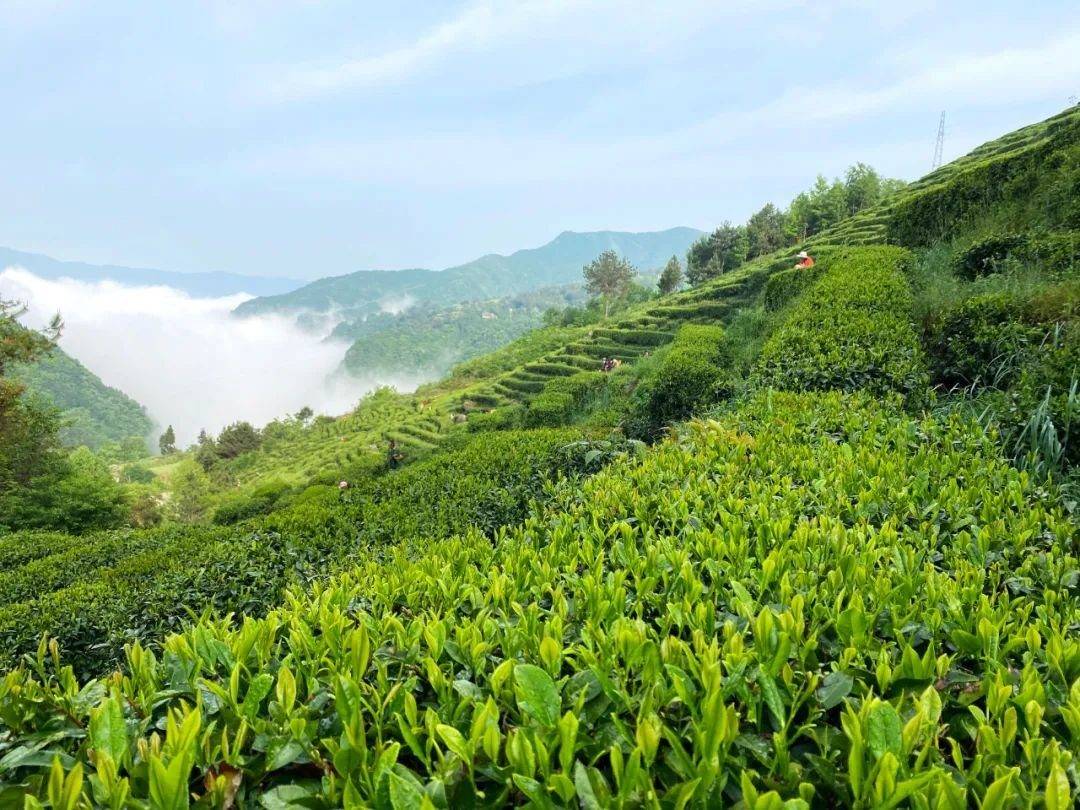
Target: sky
(306,138)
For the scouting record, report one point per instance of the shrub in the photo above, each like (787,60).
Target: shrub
(814,599)
(993,186)
(562,398)
(692,373)
(507,417)
(785,287)
(96,593)
(851,331)
(985,256)
(1057,252)
(981,341)
(637,337)
(244,505)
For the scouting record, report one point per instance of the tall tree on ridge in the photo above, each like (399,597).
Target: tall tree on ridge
(672,276)
(609,276)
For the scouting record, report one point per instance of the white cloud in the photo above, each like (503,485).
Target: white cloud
(187,359)
(395,305)
(455,159)
(553,34)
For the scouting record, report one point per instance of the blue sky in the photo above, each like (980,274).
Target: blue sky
(312,138)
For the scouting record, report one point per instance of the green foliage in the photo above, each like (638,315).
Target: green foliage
(167,441)
(1015,351)
(979,342)
(693,372)
(260,500)
(1059,252)
(720,252)
(426,340)
(237,439)
(823,206)
(766,231)
(562,398)
(983,257)
(786,286)
(827,204)
(689,628)
(1030,181)
(529,347)
(671,277)
(608,276)
(508,417)
(852,330)
(41,487)
(141,584)
(190,493)
(74,494)
(93,413)
(131,448)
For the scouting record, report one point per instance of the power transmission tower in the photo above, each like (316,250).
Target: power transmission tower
(940,142)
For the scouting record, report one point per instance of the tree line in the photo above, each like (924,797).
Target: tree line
(613,280)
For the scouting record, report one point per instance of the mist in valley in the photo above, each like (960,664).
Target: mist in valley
(188,360)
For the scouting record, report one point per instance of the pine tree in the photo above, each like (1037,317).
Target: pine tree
(167,442)
(672,276)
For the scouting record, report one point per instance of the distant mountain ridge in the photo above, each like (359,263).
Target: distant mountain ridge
(201,285)
(492,276)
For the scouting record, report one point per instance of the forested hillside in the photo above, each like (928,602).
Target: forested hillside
(353,296)
(782,538)
(93,413)
(429,340)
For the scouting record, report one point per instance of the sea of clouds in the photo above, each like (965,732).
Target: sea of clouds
(188,360)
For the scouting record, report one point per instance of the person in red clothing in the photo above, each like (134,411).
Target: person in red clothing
(803,261)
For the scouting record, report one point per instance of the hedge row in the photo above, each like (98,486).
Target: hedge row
(993,184)
(636,337)
(693,373)
(814,601)
(1059,252)
(851,330)
(561,398)
(140,585)
(786,286)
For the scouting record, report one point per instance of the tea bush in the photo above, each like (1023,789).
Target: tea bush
(815,601)
(694,372)
(985,256)
(100,591)
(979,341)
(506,417)
(1058,252)
(786,286)
(561,398)
(852,330)
(1035,182)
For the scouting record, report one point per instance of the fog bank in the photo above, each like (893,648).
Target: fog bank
(186,359)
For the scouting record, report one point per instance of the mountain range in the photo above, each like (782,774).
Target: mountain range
(560,261)
(201,285)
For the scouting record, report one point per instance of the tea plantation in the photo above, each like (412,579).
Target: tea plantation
(844,571)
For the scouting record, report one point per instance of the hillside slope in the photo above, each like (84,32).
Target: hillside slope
(94,413)
(830,582)
(429,340)
(815,597)
(353,296)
